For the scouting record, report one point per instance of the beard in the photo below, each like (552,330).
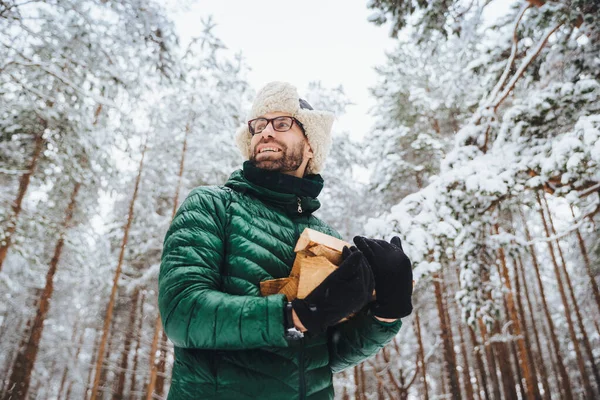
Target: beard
(290,160)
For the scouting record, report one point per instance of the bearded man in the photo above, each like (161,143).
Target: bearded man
(232,343)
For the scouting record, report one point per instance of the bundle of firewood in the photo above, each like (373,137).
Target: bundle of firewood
(317,255)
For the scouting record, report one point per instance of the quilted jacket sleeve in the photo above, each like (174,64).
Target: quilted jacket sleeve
(194,312)
(357,339)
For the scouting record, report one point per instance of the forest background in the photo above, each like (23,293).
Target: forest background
(483,157)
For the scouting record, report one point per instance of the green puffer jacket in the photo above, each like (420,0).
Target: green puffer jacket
(229,341)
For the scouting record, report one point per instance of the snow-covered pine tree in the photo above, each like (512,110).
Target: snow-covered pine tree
(69,64)
(535,129)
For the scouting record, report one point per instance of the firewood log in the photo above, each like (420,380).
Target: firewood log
(313,271)
(317,255)
(310,237)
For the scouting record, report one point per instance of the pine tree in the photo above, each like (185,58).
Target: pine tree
(534,128)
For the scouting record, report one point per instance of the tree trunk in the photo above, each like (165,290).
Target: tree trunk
(522,391)
(113,293)
(586,342)
(345,395)
(104,370)
(158,328)
(137,346)
(358,384)
(356,376)
(539,360)
(503,348)
(423,365)
(588,266)
(10,354)
(587,385)
(6,240)
(491,360)
(449,323)
(544,330)
(386,360)
(523,359)
(363,381)
(381,389)
(466,369)
(153,366)
(75,363)
(469,390)
(521,313)
(482,381)
(92,365)
(21,373)
(403,394)
(118,394)
(449,355)
(162,365)
(444,385)
(466,373)
(63,380)
(565,383)
(506,372)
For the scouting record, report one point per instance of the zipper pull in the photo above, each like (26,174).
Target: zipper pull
(299,206)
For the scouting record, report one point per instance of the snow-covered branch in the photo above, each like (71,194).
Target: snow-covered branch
(52,70)
(568,231)
(526,62)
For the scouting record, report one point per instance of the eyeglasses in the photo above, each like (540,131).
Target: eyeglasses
(280,124)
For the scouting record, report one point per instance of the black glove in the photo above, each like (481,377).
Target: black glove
(393,276)
(345,291)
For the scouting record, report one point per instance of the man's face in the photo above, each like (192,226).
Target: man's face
(287,152)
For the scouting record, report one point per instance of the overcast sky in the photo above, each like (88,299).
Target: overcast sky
(299,42)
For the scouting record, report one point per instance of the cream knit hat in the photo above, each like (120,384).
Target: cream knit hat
(283,97)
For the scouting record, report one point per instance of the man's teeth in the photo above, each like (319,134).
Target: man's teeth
(268,149)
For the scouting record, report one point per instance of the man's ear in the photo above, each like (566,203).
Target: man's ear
(308,153)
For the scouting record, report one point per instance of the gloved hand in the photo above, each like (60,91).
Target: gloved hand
(393,276)
(345,291)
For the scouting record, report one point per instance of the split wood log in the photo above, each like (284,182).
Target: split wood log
(332,256)
(313,271)
(310,238)
(317,255)
(287,286)
(273,285)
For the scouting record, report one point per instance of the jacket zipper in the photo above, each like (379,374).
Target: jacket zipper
(301,353)
(301,368)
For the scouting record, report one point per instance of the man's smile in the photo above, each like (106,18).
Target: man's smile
(269,149)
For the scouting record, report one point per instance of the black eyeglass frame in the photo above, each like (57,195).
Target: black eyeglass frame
(270,121)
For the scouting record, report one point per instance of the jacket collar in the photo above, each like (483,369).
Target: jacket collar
(277,188)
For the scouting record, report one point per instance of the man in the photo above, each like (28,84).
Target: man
(231,343)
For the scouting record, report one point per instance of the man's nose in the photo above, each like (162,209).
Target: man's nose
(268,131)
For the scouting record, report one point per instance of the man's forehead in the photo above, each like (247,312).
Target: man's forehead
(275,114)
